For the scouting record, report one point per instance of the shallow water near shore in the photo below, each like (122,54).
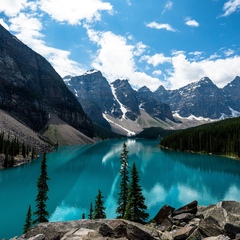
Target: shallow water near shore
(77,172)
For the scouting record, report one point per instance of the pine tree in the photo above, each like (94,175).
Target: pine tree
(42,197)
(28,221)
(99,209)
(123,194)
(136,208)
(91,211)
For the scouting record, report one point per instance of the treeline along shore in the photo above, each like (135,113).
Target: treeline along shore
(218,138)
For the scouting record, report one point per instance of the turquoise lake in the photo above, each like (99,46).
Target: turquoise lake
(77,172)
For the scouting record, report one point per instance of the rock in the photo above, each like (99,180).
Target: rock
(220,237)
(186,217)
(237,236)
(163,213)
(101,229)
(105,230)
(38,237)
(49,232)
(184,233)
(220,214)
(120,230)
(166,225)
(167,236)
(189,208)
(232,207)
(209,227)
(232,229)
(217,222)
(135,233)
(195,235)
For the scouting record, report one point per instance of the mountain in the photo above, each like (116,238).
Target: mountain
(117,106)
(232,94)
(153,107)
(202,99)
(95,95)
(32,91)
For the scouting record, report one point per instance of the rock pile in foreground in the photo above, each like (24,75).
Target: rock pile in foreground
(214,222)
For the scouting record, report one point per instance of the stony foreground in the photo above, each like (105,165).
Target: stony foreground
(215,222)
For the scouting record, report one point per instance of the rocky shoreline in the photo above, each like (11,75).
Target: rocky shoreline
(190,222)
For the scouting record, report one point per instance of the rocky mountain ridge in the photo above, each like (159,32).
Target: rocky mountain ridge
(31,90)
(107,103)
(116,106)
(203,99)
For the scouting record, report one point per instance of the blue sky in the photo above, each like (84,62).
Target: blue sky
(148,42)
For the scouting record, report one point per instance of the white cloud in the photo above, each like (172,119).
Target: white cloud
(184,71)
(161,26)
(228,52)
(12,7)
(115,59)
(74,11)
(129,3)
(4,24)
(156,59)
(27,27)
(196,53)
(140,49)
(230,7)
(191,23)
(28,30)
(157,72)
(220,71)
(168,6)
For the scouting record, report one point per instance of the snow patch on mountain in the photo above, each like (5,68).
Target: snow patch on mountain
(129,133)
(192,117)
(234,113)
(122,107)
(91,72)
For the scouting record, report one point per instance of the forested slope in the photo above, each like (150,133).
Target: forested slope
(220,138)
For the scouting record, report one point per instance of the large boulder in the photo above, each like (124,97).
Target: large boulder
(163,213)
(189,208)
(92,229)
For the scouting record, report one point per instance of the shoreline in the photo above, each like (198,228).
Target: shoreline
(203,153)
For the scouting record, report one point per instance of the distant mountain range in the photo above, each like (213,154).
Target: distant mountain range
(203,99)
(33,93)
(118,107)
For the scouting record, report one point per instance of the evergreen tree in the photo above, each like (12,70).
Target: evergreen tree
(28,221)
(42,197)
(99,209)
(123,194)
(23,150)
(33,153)
(136,208)
(91,211)
(5,163)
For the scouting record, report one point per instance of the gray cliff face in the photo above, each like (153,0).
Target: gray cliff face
(201,98)
(152,106)
(98,97)
(94,93)
(127,96)
(31,89)
(232,94)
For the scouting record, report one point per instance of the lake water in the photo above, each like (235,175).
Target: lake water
(77,172)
